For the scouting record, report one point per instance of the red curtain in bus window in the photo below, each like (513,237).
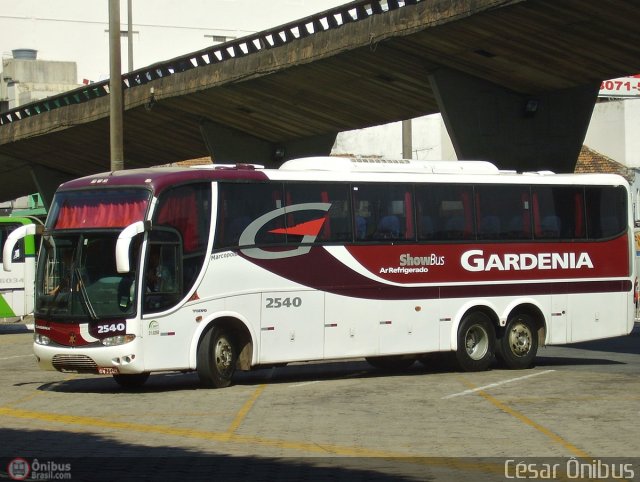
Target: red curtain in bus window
(408,209)
(289,202)
(100,215)
(537,225)
(179,210)
(468,213)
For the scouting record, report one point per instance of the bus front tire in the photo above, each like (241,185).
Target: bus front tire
(131,381)
(476,343)
(519,345)
(216,359)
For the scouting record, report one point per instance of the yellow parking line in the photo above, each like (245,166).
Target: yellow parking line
(306,447)
(97,422)
(193,433)
(527,421)
(242,413)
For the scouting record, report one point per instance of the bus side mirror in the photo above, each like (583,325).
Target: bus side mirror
(15,236)
(123,243)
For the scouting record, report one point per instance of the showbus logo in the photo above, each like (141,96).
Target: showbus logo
(429,260)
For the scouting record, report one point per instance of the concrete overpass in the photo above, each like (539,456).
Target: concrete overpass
(516,81)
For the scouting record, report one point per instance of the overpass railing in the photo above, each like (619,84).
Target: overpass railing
(331,19)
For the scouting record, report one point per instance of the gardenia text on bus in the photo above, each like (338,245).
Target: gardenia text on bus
(475,260)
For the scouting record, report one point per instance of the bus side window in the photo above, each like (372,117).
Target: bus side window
(162,287)
(336,225)
(444,212)
(187,210)
(239,204)
(18,251)
(558,212)
(385,210)
(503,212)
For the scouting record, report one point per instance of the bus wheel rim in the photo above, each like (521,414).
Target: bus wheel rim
(223,355)
(476,342)
(520,339)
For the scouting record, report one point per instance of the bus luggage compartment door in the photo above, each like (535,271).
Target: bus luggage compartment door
(291,326)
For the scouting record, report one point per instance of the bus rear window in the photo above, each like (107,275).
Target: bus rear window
(98,208)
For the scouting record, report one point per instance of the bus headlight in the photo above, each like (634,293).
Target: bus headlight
(41,339)
(117,340)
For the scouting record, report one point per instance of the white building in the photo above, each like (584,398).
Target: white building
(26,79)
(615,130)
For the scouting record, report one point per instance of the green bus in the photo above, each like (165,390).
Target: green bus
(17,285)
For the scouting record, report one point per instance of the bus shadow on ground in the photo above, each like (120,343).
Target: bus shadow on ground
(559,361)
(621,344)
(440,363)
(13,328)
(29,453)
(294,373)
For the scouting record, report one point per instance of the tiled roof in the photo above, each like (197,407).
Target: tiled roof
(193,162)
(592,161)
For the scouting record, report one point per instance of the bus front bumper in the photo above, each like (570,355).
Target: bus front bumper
(100,360)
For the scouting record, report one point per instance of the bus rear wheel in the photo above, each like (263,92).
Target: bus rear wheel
(519,345)
(131,381)
(476,343)
(216,358)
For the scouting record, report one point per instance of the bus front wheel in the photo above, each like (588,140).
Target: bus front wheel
(216,359)
(476,343)
(519,345)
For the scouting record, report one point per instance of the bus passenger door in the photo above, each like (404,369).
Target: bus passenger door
(291,326)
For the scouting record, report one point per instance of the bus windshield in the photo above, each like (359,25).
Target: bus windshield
(77,277)
(97,208)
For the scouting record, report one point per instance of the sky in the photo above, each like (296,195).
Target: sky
(77,30)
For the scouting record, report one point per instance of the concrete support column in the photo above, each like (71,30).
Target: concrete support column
(525,132)
(230,146)
(46,181)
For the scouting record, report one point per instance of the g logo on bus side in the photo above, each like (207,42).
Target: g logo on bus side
(308,230)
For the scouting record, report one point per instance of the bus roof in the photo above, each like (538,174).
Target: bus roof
(365,164)
(335,169)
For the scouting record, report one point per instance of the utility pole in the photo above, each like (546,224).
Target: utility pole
(407,138)
(116,105)
(130,34)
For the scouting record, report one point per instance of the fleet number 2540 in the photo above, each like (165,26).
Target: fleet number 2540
(284,302)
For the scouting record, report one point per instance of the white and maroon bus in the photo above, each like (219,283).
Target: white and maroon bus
(224,268)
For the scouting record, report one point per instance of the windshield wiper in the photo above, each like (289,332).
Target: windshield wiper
(85,295)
